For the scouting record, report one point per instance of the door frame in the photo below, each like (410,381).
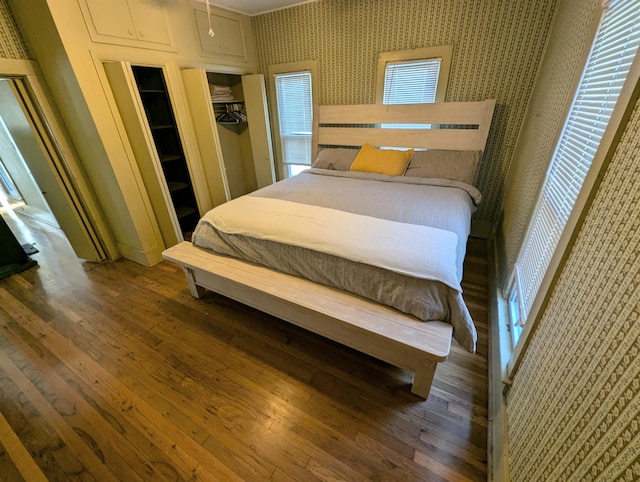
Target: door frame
(63,161)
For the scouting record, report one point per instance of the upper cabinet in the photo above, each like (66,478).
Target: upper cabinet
(134,23)
(232,39)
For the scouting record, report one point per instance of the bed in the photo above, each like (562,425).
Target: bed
(365,247)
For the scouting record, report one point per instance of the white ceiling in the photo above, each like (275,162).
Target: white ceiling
(256,7)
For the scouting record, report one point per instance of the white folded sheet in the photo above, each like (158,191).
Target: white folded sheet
(410,249)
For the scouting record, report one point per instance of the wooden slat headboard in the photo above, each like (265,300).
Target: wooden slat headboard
(340,125)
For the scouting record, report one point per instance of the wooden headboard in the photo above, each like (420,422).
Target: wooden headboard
(462,126)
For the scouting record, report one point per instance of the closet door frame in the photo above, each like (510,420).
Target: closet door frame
(175,91)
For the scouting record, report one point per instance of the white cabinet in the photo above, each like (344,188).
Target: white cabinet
(135,23)
(232,35)
(237,156)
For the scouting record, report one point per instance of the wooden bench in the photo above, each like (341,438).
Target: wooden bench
(369,327)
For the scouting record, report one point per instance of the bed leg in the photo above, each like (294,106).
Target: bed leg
(196,291)
(423,378)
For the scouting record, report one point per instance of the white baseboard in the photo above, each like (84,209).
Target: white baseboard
(149,258)
(497,433)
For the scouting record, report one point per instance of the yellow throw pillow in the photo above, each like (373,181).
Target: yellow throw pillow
(383,161)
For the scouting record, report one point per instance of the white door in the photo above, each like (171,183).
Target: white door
(255,98)
(125,93)
(204,126)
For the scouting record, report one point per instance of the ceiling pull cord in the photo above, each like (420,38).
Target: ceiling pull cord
(211,32)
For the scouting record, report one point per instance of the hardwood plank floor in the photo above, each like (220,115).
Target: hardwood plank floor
(113,371)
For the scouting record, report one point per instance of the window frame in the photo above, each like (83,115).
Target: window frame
(621,111)
(443,52)
(310,66)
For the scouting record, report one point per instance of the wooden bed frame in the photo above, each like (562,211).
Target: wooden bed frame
(369,327)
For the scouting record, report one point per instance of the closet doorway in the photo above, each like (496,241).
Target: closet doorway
(33,177)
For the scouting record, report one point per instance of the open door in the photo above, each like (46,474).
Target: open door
(255,96)
(32,139)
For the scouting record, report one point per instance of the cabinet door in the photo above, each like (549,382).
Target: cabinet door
(229,39)
(255,98)
(150,22)
(135,23)
(111,18)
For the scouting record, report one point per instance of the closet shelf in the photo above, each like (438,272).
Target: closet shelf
(176,186)
(184,211)
(170,157)
(170,151)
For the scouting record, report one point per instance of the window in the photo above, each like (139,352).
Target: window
(413,82)
(293,90)
(413,76)
(613,51)
(295,116)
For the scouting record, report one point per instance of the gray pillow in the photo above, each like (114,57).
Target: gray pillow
(444,164)
(338,159)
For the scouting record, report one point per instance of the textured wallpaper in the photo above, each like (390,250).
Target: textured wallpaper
(11,44)
(497,48)
(574,408)
(574,404)
(570,41)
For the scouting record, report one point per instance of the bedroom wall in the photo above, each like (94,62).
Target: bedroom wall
(497,48)
(574,404)
(569,45)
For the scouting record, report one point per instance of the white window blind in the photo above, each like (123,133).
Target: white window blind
(614,48)
(411,82)
(414,82)
(295,118)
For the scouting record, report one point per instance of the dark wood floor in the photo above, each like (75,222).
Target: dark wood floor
(113,371)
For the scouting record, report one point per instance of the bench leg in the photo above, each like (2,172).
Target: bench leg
(196,291)
(423,378)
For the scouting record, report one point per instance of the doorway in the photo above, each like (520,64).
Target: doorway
(33,177)
(20,194)
(19,191)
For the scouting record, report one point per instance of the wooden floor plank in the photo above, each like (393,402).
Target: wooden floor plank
(118,450)
(175,442)
(113,370)
(16,461)
(68,430)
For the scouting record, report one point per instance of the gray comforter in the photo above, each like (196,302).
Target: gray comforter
(431,202)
